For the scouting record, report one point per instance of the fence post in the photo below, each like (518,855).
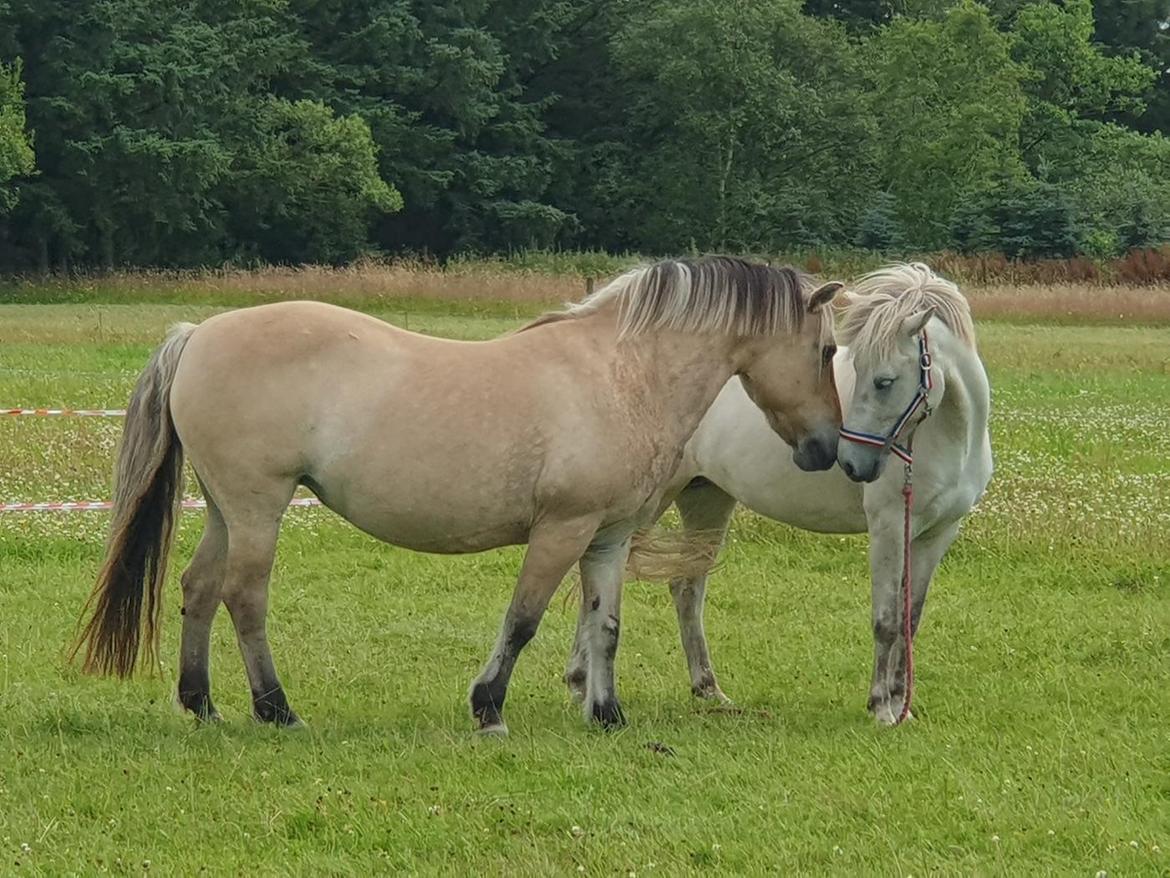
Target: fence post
(588,286)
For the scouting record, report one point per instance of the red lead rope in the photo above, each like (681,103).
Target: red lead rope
(907,588)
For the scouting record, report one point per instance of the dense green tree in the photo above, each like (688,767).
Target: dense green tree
(140,108)
(879,228)
(302,185)
(1120,182)
(949,104)
(1123,27)
(188,132)
(16,155)
(441,86)
(746,125)
(1071,84)
(1023,219)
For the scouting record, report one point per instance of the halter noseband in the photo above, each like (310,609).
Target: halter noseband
(921,399)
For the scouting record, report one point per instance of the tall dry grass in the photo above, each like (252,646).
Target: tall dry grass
(1071,302)
(1134,289)
(361,282)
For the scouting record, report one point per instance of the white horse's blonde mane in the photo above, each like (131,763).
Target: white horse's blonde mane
(877,305)
(713,294)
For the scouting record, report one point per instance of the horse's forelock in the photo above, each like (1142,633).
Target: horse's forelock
(879,303)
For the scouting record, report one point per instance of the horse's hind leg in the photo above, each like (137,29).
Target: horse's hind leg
(251,551)
(553,547)
(202,582)
(703,506)
(576,672)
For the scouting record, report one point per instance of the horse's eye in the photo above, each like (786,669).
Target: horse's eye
(884,383)
(828,353)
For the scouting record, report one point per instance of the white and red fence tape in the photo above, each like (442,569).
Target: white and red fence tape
(76,413)
(96,505)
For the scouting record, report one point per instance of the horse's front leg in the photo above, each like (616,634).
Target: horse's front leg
(602,569)
(888,690)
(927,551)
(553,547)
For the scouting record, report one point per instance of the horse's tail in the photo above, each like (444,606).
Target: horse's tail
(148,476)
(659,554)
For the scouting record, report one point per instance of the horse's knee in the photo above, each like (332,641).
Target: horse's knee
(687,593)
(886,628)
(610,631)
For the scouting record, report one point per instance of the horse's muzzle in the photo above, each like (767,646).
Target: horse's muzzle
(860,464)
(815,452)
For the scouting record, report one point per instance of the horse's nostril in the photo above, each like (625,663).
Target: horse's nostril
(848,467)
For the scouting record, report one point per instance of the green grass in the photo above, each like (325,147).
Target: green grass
(1042,744)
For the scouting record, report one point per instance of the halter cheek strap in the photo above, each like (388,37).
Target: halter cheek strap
(921,401)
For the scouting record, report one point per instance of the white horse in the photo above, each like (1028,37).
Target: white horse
(892,318)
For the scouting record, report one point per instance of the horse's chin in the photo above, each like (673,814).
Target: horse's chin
(812,455)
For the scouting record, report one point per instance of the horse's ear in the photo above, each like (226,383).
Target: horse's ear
(823,295)
(915,323)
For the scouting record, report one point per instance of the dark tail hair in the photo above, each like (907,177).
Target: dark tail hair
(148,477)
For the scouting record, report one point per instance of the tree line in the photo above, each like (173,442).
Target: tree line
(197,132)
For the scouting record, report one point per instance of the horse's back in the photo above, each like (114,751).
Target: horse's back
(405,435)
(276,364)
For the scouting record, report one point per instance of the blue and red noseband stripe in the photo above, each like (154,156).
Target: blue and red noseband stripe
(925,385)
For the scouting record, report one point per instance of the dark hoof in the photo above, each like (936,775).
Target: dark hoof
(486,703)
(199,703)
(272,707)
(493,730)
(285,719)
(608,714)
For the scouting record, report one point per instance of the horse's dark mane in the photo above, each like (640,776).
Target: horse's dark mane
(709,294)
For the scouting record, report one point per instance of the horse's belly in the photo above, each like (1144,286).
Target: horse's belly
(824,502)
(428,486)
(431,530)
(810,503)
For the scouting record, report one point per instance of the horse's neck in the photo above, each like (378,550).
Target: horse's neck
(964,407)
(669,379)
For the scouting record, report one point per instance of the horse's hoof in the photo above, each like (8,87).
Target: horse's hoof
(713,694)
(200,707)
(886,714)
(608,714)
(290,721)
(493,730)
(272,707)
(281,719)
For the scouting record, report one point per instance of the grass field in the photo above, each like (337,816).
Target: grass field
(1042,744)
